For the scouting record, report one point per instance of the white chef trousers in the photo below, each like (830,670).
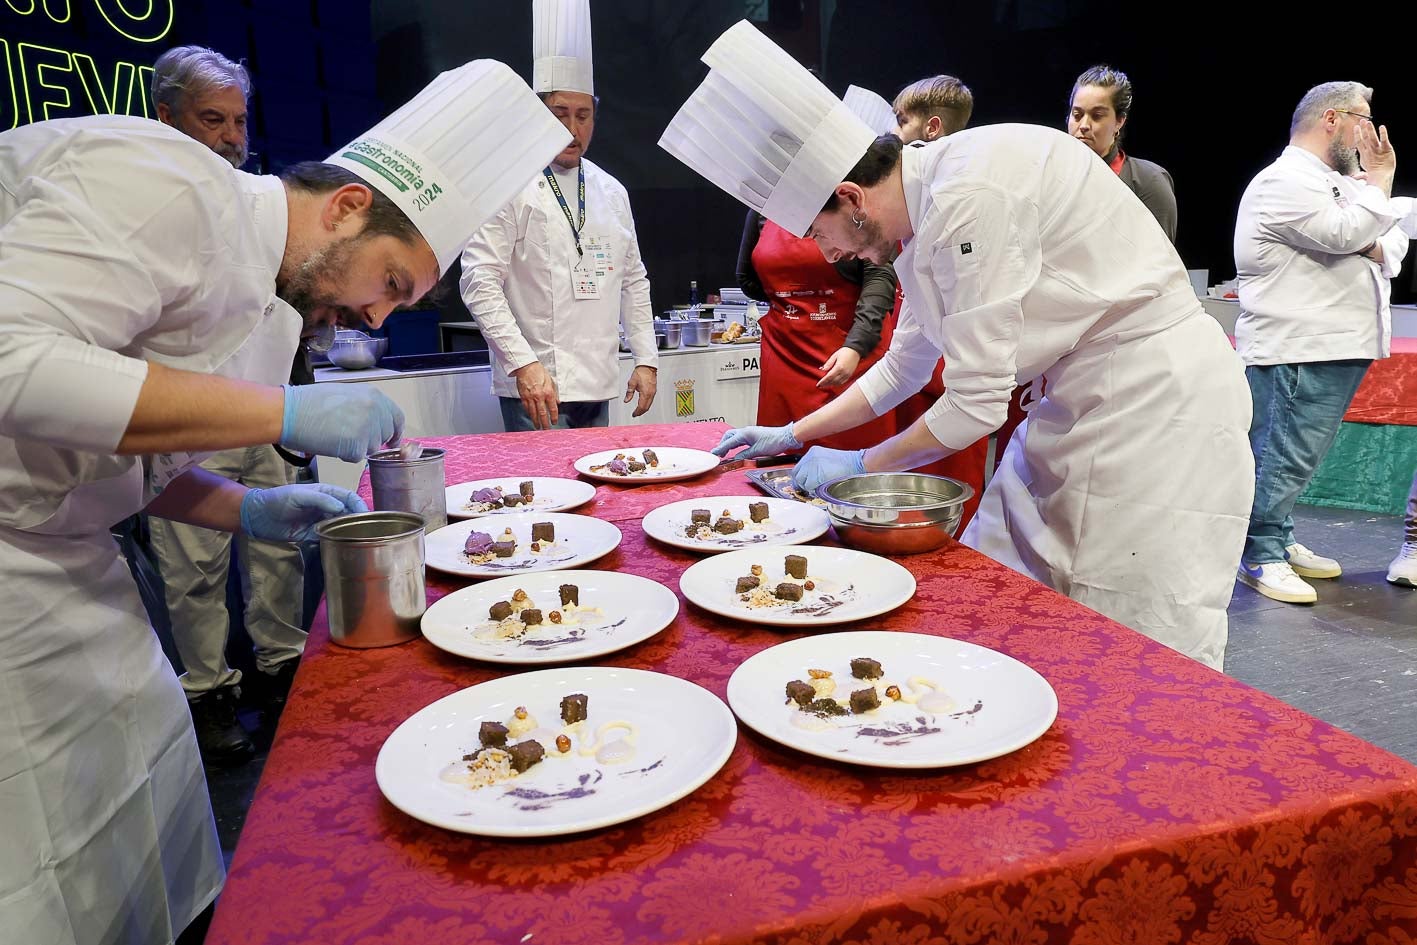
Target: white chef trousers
(194,563)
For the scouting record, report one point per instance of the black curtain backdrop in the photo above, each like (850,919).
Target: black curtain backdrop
(1215,86)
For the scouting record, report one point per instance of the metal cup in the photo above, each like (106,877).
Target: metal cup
(374,590)
(411,485)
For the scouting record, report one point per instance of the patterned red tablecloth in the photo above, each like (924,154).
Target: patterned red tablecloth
(1388,393)
(1168,803)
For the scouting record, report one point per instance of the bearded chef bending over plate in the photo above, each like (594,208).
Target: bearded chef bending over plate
(1129,486)
(151,298)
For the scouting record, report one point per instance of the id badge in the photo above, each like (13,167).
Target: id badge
(597,256)
(584,282)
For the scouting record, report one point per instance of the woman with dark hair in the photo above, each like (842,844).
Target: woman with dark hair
(1099,108)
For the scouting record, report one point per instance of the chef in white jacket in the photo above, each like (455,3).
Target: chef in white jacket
(552,277)
(151,298)
(1128,486)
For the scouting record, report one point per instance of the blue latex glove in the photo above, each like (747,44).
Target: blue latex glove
(345,420)
(761,441)
(823,465)
(290,513)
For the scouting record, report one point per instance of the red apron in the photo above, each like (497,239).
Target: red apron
(811,309)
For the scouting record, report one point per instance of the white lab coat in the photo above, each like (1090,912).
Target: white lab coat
(516,281)
(121,242)
(1129,486)
(1305,292)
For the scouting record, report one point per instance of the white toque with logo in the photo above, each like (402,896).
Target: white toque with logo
(875,111)
(457,152)
(763,129)
(560,47)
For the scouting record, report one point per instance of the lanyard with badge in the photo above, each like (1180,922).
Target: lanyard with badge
(583,279)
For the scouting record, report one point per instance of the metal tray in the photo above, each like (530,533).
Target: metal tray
(778,482)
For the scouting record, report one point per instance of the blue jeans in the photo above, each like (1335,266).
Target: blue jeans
(574,416)
(1297,412)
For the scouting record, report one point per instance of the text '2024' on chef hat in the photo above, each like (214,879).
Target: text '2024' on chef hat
(875,111)
(765,130)
(457,152)
(560,47)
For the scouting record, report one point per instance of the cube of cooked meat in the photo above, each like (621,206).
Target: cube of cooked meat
(492,734)
(758,511)
(727,526)
(863,668)
(864,700)
(575,708)
(500,610)
(525,754)
(531,616)
(570,594)
(746,584)
(651,458)
(701,516)
(511,501)
(504,549)
(788,591)
(635,465)
(527,490)
(543,531)
(800,692)
(795,566)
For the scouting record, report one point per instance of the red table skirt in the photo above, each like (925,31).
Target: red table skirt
(1388,393)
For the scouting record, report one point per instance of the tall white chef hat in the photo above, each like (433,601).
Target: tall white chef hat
(457,152)
(875,111)
(763,129)
(560,47)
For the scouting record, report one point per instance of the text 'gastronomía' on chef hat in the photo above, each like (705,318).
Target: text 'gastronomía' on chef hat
(560,47)
(765,130)
(457,152)
(875,111)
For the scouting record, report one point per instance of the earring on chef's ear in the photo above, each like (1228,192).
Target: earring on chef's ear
(859,221)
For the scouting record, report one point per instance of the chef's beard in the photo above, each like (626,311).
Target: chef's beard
(871,245)
(236,156)
(305,292)
(1342,159)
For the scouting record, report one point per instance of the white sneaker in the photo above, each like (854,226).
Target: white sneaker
(1277,581)
(1307,564)
(1403,570)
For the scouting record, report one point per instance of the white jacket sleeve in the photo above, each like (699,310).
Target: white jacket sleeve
(1394,243)
(1305,215)
(72,294)
(636,310)
(1407,207)
(985,257)
(485,264)
(904,369)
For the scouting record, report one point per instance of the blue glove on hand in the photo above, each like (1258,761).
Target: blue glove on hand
(290,513)
(823,465)
(349,421)
(761,441)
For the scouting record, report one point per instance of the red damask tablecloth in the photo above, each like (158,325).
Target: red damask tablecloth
(1168,803)
(1388,393)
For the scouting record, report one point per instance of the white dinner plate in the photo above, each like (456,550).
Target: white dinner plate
(788,523)
(675,463)
(986,704)
(849,585)
(684,734)
(551,494)
(579,539)
(619,610)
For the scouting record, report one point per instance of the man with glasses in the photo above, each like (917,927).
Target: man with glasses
(1316,245)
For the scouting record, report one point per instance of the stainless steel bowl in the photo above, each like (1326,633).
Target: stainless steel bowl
(355,354)
(698,331)
(668,335)
(895,513)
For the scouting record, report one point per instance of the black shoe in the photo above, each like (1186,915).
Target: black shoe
(275,687)
(220,736)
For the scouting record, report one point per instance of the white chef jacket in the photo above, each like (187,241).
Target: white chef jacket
(517,282)
(1000,307)
(1306,293)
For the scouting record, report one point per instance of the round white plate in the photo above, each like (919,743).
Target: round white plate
(850,585)
(675,462)
(992,704)
(685,734)
(551,495)
(631,608)
(788,523)
(579,539)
